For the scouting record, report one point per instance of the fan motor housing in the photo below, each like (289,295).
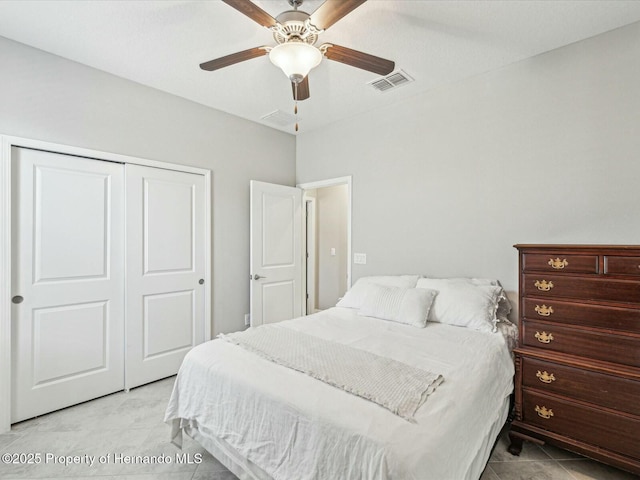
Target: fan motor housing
(294,24)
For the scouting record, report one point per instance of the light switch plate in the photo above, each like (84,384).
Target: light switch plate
(360,258)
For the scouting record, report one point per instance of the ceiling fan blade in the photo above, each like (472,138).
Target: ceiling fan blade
(252,11)
(233,58)
(331,11)
(358,59)
(303,89)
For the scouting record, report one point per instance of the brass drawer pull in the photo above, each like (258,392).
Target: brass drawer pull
(544,412)
(545,377)
(544,337)
(543,285)
(543,310)
(558,264)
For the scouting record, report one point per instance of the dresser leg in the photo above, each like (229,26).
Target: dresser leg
(516,444)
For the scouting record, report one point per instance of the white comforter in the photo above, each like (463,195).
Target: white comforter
(297,428)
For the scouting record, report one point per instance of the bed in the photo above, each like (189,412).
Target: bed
(265,421)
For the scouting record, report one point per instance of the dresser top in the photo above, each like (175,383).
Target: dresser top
(560,246)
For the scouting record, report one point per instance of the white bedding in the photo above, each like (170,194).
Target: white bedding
(294,427)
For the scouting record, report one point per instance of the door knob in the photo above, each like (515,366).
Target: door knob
(17,299)
(201,281)
(257,277)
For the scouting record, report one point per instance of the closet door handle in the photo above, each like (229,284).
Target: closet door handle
(258,277)
(17,299)
(201,281)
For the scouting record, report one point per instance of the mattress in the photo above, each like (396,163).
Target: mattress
(270,422)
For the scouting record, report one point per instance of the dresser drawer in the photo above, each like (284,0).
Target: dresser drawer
(598,388)
(584,343)
(557,262)
(591,425)
(551,309)
(581,288)
(618,265)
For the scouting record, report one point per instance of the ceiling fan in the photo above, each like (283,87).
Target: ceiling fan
(296,32)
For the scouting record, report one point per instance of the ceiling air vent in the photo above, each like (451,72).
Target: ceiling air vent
(391,81)
(280,118)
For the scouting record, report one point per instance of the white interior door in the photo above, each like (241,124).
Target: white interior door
(276,253)
(165,270)
(68,330)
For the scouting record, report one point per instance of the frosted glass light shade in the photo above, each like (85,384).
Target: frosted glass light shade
(296,59)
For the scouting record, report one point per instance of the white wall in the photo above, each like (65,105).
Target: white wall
(545,150)
(48,98)
(331,219)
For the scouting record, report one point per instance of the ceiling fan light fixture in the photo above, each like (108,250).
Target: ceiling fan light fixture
(295,58)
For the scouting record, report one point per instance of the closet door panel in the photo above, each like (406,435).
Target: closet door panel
(68,239)
(165,264)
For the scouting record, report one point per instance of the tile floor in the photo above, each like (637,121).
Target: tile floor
(129,424)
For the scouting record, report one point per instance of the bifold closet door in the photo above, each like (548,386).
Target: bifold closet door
(165,222)
(68,281)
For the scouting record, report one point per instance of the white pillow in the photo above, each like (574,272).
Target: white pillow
(464,304)
(504,305)
(403,305)
(356,294)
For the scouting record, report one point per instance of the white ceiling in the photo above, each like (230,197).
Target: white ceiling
(161,44)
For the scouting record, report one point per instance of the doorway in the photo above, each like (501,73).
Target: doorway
(327,265)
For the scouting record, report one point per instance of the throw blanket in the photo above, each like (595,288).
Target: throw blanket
(398,387)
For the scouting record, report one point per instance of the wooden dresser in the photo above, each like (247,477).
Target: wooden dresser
(578,358)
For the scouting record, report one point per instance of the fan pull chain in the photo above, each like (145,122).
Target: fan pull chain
(295,106)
